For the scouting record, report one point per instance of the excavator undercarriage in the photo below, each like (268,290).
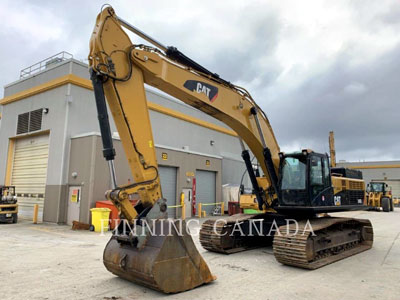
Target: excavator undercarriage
(307,243)
(330,240)
(238,232)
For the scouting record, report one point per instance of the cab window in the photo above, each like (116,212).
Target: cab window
(293,174)
(316,171)
(316,176)
(326,172)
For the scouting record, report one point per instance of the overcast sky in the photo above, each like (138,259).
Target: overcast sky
(313,66)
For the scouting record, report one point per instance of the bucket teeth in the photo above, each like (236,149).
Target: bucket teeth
(169,262)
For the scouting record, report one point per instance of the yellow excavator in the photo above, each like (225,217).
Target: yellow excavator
(295,186)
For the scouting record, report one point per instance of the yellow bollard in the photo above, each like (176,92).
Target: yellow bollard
(35,213)
(222,208)
(183,211)
(183,206)
(199,210)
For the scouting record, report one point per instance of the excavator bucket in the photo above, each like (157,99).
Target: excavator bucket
(169,262)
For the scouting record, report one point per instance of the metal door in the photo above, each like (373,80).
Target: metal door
(74,204)
(188,202)
(168,187)
(206,189)
(29,174)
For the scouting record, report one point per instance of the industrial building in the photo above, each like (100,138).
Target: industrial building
(386,171)
(50,147)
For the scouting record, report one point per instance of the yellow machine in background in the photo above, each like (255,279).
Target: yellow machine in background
(332,150)
(380,196)
(8,204)
(249,204)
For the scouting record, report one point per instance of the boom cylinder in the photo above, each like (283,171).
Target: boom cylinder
(258,191)
(102,115)
(267,154)
(111,167)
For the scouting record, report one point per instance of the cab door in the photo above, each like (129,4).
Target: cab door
(321,191)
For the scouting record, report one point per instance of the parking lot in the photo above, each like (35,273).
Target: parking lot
(48,261)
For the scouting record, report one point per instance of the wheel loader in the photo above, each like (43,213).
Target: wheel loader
(296,186)
(380,196)
(8,205)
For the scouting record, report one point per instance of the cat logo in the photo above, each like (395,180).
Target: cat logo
(337,200)
(202,88)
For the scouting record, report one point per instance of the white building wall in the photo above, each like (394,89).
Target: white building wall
(72,112)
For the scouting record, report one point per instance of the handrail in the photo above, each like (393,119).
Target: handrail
(43,64)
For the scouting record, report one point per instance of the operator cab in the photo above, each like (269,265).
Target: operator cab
(305,179)
(305,184)
(377,187)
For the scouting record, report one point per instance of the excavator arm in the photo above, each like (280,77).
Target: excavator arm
(123,68)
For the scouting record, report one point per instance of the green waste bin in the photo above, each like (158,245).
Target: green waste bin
(100,218)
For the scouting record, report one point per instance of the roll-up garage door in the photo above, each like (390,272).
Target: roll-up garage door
(168,187)
(29,174)
(205,189)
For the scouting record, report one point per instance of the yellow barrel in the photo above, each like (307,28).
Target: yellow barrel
(100,218)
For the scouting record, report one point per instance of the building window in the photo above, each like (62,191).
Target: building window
(30,121)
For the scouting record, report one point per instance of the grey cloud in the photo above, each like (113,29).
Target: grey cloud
(355,88)
(392,15)
(358,101)
(362,121)
(251,56)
